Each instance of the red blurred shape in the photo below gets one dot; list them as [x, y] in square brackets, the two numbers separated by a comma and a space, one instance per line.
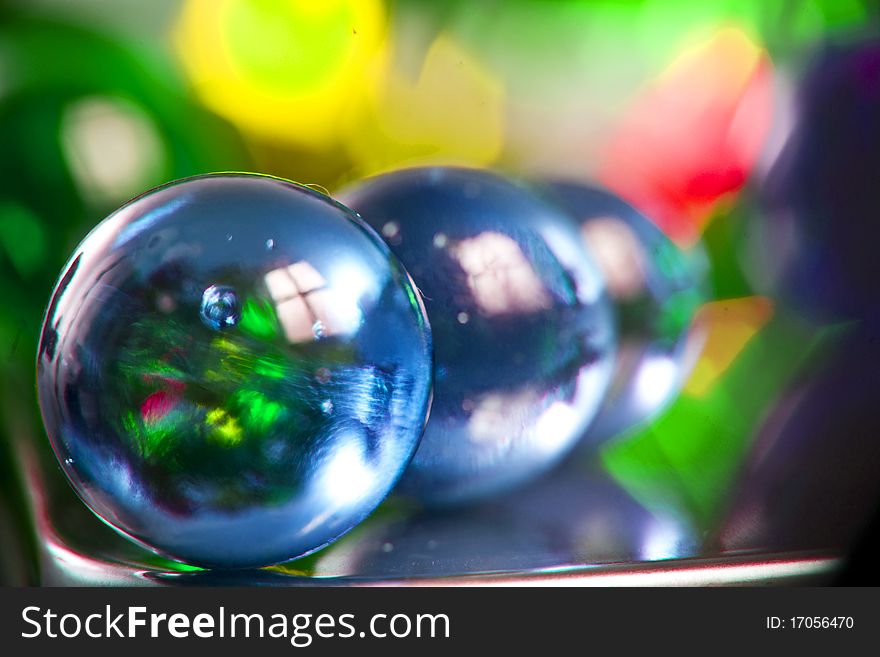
[159, 404]
[690, 139]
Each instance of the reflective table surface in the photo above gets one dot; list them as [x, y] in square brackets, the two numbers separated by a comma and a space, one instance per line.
[574, 527]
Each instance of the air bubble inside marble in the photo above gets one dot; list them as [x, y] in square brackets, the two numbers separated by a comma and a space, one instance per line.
[220, 308]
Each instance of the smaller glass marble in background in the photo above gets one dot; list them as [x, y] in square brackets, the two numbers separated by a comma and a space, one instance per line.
[233, 370]
[522, 326]
[656, 289]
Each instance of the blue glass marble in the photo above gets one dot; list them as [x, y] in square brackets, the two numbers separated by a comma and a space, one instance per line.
[656, 289]
[523, 330]
[234, 370]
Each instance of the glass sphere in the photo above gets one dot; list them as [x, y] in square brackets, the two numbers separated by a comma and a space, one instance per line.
[233, 370]
[656, 289]
[523, 331]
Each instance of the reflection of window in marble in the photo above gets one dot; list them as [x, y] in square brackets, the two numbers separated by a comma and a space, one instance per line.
[618, 253]
[499, 276]
[304, 302]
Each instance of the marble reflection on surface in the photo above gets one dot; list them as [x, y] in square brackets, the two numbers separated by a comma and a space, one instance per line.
[575, 516]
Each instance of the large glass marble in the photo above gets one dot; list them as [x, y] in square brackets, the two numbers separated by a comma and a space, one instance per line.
[234, 370]
[523, 331]
[656, 288]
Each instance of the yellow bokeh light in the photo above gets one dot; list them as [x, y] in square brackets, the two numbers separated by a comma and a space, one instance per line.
[717, 66]
[730, 325]
[451, 113]
[289, 70]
